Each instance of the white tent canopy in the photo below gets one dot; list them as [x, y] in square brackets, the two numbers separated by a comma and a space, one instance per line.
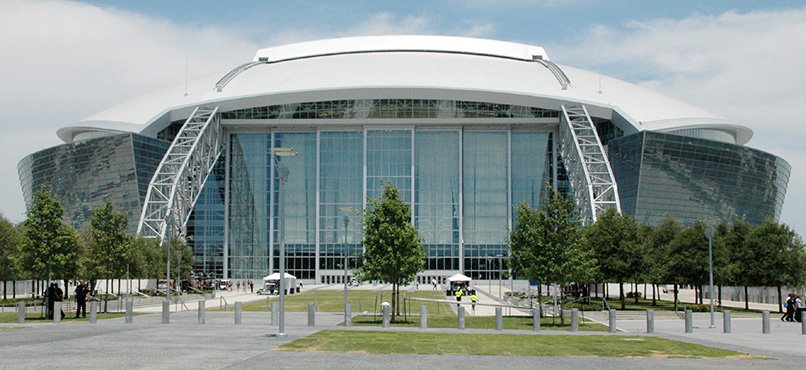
[276, 276]
[459, 277]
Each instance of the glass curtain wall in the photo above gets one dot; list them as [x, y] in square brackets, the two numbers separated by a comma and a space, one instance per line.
[389, 159]
[436, 205]
[250, 167]
[486, 203]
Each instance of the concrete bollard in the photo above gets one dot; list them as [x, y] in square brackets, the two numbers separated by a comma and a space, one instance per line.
[360, 304]
[689, 322]
[93, 312]
[21, 312]
[423, 317]
[765, 322]
[726, 322]
[238, 312]
[166, 311]
[574, 319]
[311, 315]
[348, 322]
[650, 321]
[385, 312]
[536, 319]
[612, 319]
[803, 322]
[460, 315]
[129, 311]
[499, 321]
[57, 312]
[275, 313]
[200, 318]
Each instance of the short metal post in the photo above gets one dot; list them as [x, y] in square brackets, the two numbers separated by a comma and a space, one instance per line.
[460, 314]
[536, 319]
[574, 319]
[129, 311]
[93, 312]
[499, 321]
[238, 312]
[311, 317]
[200, 319]
[57, 312]
[348, 322]
[726, 322]
[274, 313]
[612, 319]
[689, 322]
[765, 322]
[21, 312]
[650, 321]
[166, 311]
[385, 310]
[423, 317]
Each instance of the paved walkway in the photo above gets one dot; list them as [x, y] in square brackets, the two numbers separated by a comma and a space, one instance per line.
[220, 344]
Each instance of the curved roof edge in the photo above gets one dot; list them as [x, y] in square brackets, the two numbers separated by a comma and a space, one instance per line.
[743, 134]
[411, 43]
[68, 133]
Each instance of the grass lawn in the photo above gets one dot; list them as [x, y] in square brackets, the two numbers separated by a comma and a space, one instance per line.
[10, 327]
[646, 304]
[479, 322]
[11, 317]
[337, 341]
[333, 301]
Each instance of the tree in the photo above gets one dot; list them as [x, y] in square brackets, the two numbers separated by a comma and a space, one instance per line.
[740, 257]
[50, 247]
[658, 252]
[392, 249]
[10, 240]
[779, 254]
[617, 249]
[547, 245]
[110, 249]
[687, 261]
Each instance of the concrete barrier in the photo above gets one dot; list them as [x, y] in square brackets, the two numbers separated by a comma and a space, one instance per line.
[612, 319]
[275, 313]
[385, 312]
[726, 322]
[93, 312]
[460, 318]
[423, 317]
[21, 312]
[536, 318]
[689, 322]
[166, 311]
[57, 312]
[238, 312]
[201, 314]
[650, 321]
[574, 319]
[311, 315]
[348, 315]
[129, 311]
[499, 320]
[765, 322]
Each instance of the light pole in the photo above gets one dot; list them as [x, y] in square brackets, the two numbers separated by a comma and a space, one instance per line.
[346, 220]
[709, 233]
[489, 274]
[283, 170]
[500, 275]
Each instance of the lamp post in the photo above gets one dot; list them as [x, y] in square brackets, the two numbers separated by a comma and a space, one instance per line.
[346, 220]
[489, 274]
[500, 275]
[709, 233]
[283, 171]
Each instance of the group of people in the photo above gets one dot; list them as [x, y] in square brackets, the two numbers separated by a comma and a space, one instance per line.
[794, 307]
[246, 284]
[54, 294]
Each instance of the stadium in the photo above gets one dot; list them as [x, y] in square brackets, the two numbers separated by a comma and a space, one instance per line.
[465, 128]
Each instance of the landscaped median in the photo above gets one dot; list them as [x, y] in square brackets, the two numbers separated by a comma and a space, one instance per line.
[386, 342]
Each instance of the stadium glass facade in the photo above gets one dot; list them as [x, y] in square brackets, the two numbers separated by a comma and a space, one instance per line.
[665, 175]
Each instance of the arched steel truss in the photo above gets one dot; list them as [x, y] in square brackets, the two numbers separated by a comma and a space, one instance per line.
[589, 171]
[179, 179]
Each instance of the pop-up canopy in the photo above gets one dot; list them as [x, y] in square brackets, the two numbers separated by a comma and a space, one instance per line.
[459, 277]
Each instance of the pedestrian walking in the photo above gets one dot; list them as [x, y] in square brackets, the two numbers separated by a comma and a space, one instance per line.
[790, 308]
[473, 300]
[251, 287]
[799, 306]
[81, 299]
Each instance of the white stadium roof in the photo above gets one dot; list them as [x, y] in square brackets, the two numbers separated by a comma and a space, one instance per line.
[428, 67]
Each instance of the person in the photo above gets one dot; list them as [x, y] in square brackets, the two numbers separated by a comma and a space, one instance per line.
[58, 297]
[798, 308]
[458, 296]
[473, 300]
[237, 286]
[50, 297]
[81, 299]
[790, 308]
[251, 287]
[434, 281]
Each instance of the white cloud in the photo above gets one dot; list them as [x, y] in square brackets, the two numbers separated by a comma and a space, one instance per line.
[748, 68]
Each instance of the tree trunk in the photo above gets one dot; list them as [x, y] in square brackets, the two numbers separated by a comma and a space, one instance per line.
[746, 299]
[654, 286]
[636, 292]
[14, 289]
[621, 294]
[675, 297]
[780, 305]
[394, 301]
[562, 305]
[5, 289]
[66, 294]
[719, 294]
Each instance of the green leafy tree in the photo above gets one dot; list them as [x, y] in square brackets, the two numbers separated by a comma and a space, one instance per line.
[617, 248]
[547, 245]
[741, 261]
[50, 247]
[392, 249]
[779, 253]
[10, 240]
[688, 257]
[110, 248]
[658, 252]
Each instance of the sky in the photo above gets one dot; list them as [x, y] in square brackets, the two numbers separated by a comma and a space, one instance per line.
[62, 61]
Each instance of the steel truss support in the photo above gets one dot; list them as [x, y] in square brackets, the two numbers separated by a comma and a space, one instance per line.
[589, 172]
[179, 179]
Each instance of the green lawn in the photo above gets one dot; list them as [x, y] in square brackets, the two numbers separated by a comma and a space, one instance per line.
[479, 322]
[333, 301]
[31, 317]
[646, 304]
[346, 341]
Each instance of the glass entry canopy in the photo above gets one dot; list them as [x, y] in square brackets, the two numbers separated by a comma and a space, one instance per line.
[461, 184]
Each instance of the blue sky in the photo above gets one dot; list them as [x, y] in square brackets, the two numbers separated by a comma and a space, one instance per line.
[61, 61]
